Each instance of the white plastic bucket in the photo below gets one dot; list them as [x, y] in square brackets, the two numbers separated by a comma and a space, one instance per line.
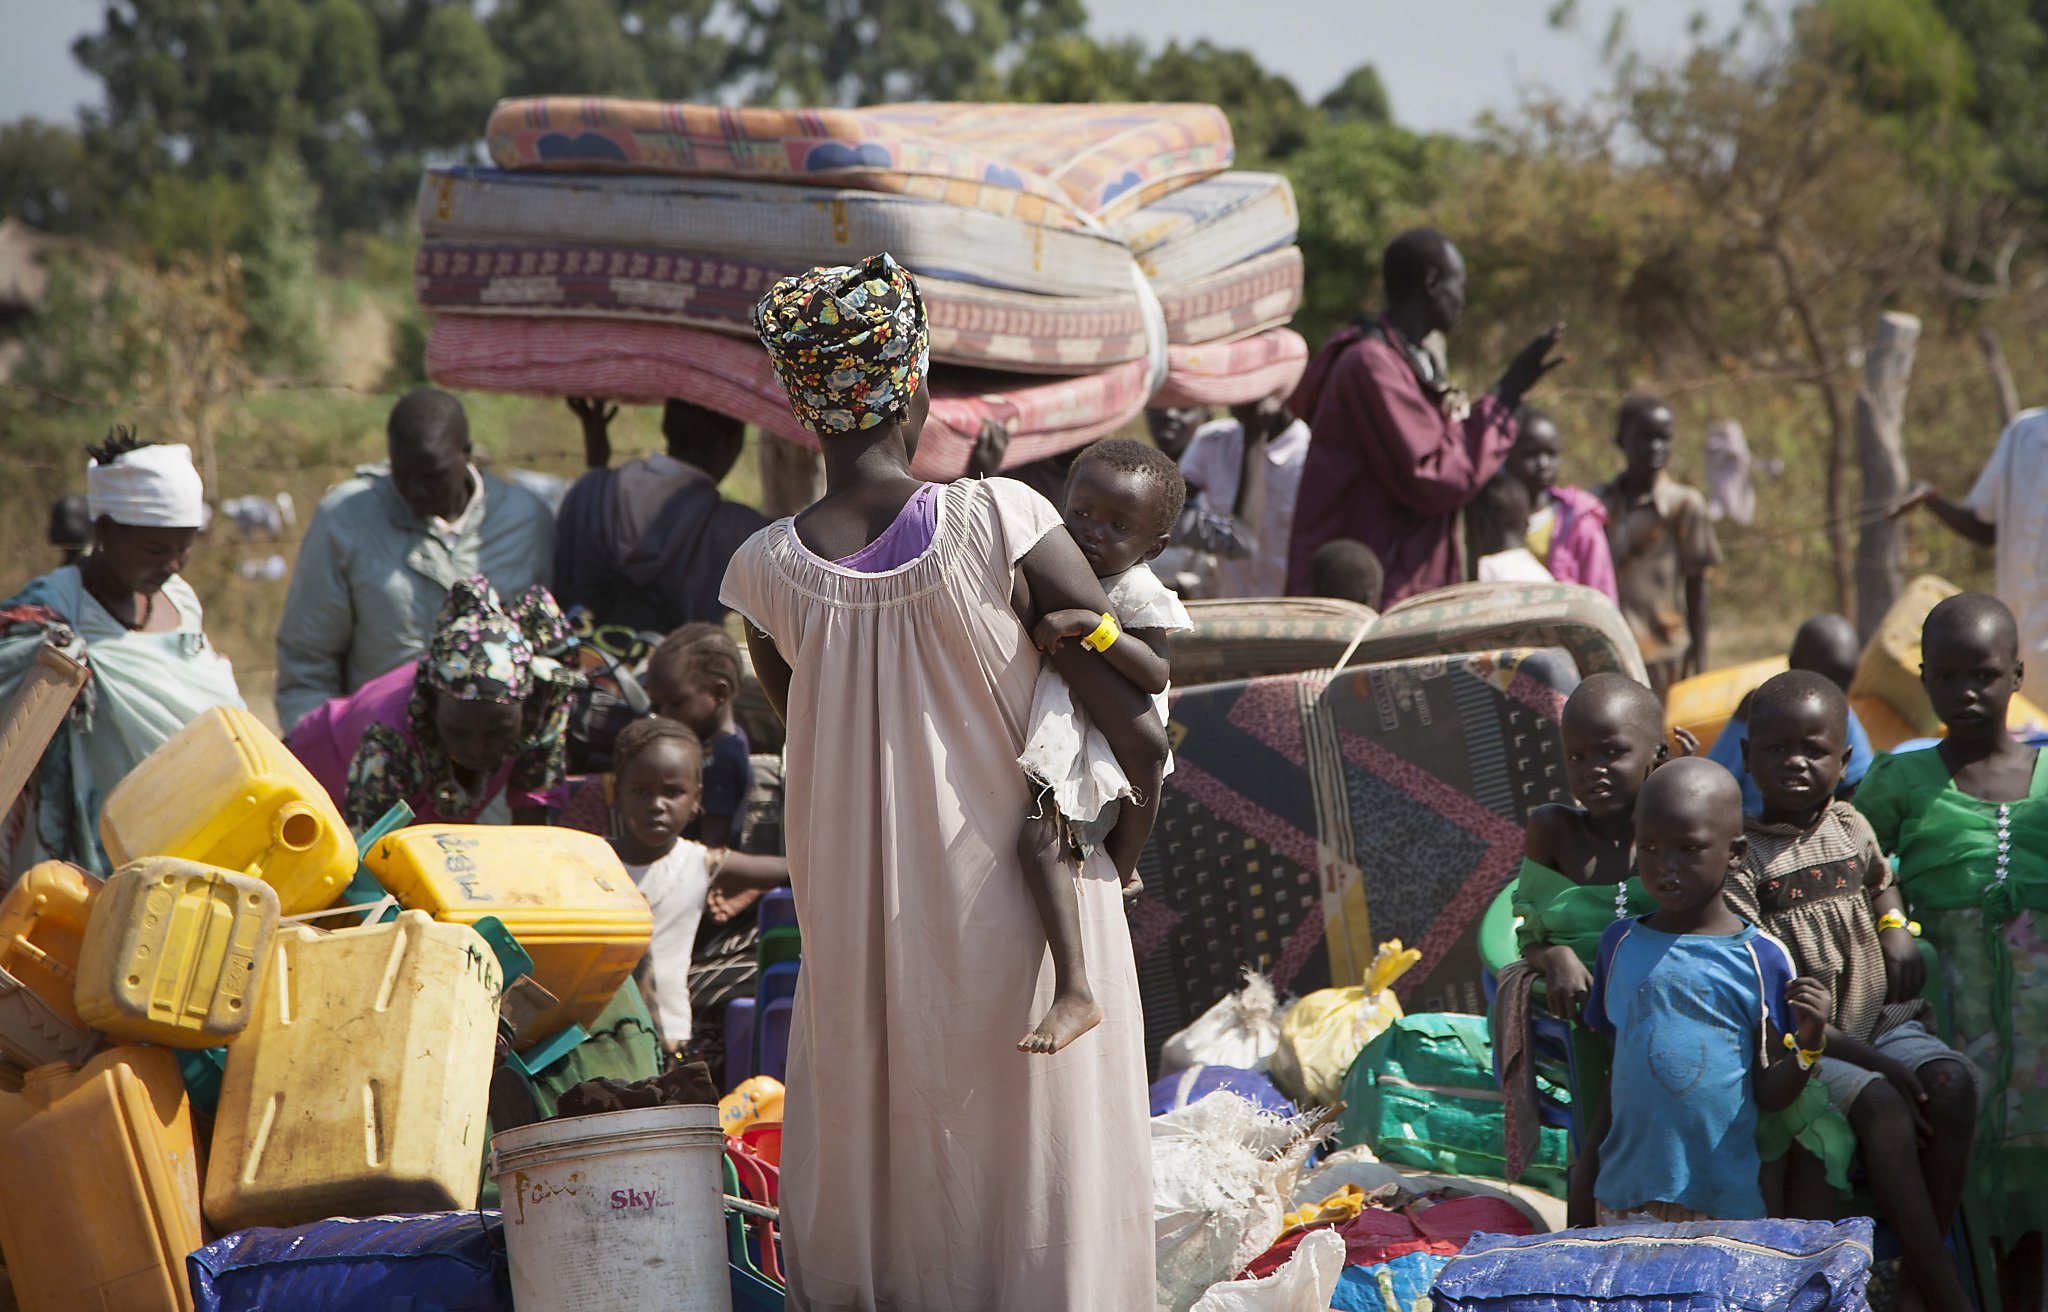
[622, 1212]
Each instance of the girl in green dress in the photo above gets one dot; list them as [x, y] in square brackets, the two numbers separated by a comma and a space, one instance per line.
[1968, 822]
[1578, 861]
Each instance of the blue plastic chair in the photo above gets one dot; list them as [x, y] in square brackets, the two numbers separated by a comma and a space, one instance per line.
[740, 1014]
[777, 981]
[778, 908]
[774, 1038]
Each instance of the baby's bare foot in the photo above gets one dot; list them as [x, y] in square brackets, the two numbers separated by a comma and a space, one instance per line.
[1071, 1016]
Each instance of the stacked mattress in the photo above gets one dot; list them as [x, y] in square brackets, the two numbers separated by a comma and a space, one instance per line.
[1077, 261]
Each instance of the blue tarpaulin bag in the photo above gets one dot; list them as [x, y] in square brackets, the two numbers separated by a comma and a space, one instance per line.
[1172, 1092]
[439, 1262]
[1764, 1266]
[1399, 1285]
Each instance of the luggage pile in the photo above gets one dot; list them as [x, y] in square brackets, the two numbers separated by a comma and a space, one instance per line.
[1078, 262]
[260, 1030]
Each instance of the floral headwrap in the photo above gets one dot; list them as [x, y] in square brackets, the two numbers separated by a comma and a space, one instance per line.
[485, 651]
[851, 345]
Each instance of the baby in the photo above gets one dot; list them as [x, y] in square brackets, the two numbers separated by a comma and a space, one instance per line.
[1122, 500]
[1577, 864]
[1701, 1006]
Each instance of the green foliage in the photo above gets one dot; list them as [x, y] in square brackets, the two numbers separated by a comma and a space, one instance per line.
[280, 288]
[44, 178]
[861, 51]
[1360, 96]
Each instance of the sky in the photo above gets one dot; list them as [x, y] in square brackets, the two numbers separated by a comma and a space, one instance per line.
[1443, 61]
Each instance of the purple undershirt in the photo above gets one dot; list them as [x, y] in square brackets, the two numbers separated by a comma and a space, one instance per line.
[906, 538]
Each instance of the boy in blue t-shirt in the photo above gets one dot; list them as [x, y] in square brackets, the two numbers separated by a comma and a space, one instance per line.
[1698, 1002]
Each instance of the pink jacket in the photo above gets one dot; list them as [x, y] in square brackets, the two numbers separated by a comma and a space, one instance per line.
[1578, 545]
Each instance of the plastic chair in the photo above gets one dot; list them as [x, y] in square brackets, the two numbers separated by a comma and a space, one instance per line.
[778, 945]
[739, 1041]
[777, 910]
[762, 1258]
[773, 1041]
[777, 981]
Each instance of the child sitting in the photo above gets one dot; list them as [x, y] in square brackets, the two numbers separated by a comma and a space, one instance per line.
[1699, 1005]
[1815, 879]
[1577, 861]
[1122, 500]
[1497, 533]
[657, 777]
[693, 678]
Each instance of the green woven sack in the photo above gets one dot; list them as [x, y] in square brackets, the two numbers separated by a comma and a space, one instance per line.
[1423, 1094]
[621, 1046]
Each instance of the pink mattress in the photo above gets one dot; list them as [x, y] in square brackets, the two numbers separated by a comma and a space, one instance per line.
[1261, 293]
[985, 327]
[645, 363]
[1061, 164]
[1234, 373]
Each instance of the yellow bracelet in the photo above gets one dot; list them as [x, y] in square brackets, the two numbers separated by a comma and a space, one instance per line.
[1105, 633]
[1897, 920]
[1806, 1057]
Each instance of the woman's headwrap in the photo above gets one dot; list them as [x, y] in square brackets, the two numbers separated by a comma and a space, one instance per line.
[484, 651]
[149, 487]
[850, 344]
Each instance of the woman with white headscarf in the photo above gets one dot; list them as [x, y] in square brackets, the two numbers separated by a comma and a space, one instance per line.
[151, 669]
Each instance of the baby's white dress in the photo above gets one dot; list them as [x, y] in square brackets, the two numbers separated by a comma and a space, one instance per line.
[1067, 759]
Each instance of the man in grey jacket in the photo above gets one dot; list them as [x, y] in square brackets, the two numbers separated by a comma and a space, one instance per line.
[385, 547]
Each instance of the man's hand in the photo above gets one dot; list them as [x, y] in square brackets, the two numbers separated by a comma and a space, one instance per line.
[1528, 368]
[1056, 628]
[596, 417]
[1904, 967]
[1809, 1002]
[990, 446]
[1687, 744]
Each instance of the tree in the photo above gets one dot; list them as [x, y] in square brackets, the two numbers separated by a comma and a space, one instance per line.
[1361, 96]
[44, 180]
[846, 52]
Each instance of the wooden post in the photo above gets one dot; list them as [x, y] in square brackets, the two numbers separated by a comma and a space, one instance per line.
[2001, 377]
[1880, 428]
[792, 475]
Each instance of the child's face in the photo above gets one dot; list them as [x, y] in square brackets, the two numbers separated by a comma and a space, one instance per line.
[1607, 756]
[1970, 673]
[1685, 846]
[1797, 754]
[478, 735]
[696, 701]
[656, 794]
[1114, 514]
[1647, 442]
[1534, 459]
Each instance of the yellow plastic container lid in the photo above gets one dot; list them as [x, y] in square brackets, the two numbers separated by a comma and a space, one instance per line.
[225, 791]
[42, 926]
[99, 1201]
[174, 953]
[1705, 703]
[361, 1085]
[563, 893]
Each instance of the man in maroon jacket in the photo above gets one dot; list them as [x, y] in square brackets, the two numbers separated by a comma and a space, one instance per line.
[1396, 451]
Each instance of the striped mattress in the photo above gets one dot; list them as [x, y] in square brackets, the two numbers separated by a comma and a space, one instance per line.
[987, 327]
[1059, 164]
[774, 223]
[644, 363]
[1234, 373]
[1249, 298]
[1213, 225]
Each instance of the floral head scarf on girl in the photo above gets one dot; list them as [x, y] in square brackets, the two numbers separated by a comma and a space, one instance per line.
[850, 344]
